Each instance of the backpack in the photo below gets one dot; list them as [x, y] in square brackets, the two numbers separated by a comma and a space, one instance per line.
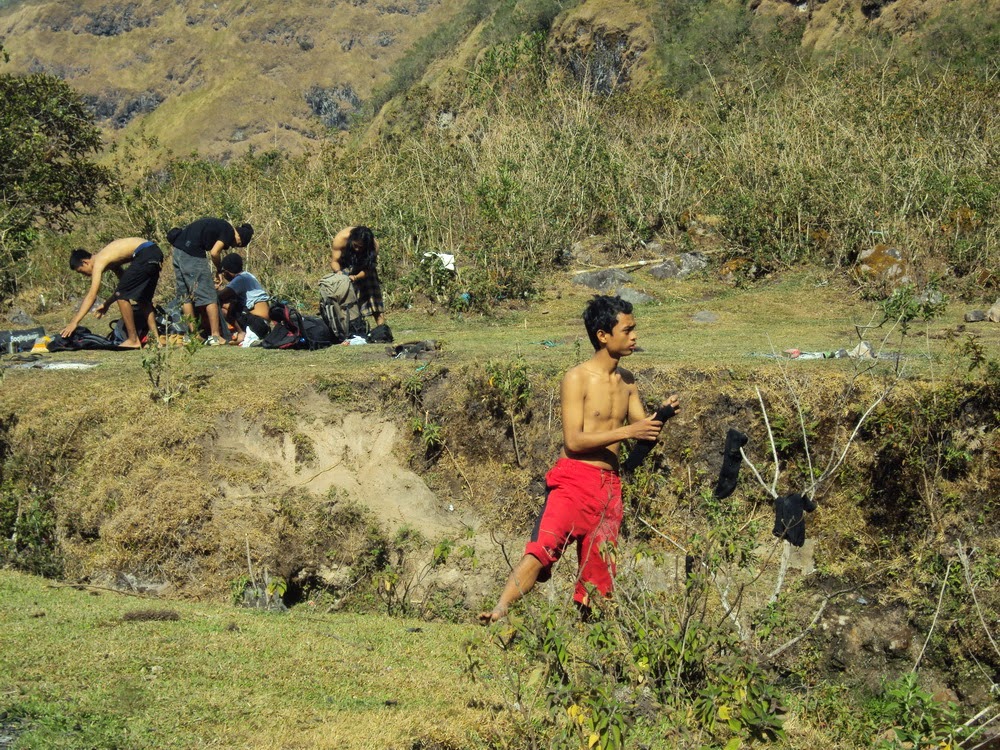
[380, 335]
[292, 330]
[340, 308]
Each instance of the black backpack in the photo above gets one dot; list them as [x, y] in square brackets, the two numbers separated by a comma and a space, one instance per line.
[317, 333]
[292, 330]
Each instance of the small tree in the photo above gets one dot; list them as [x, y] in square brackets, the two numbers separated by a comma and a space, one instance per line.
[47, 138]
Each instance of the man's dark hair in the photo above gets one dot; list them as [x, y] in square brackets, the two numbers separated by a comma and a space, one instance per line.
[360, 250]
[246, 234]
[601, 314]
[77, 257]
[232, 263]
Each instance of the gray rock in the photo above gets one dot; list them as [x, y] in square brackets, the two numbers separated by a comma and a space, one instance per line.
[668, 269]
[604, 280]
[333, 105]
[704, 316]
[677, 268]
[930, 297]
[605, 66]
[691, 262]
[588, 250]
[884, 263]
[975, 316]
[635, 297]
[21, 319]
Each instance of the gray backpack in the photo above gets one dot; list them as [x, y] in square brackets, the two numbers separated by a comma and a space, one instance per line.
[340, 308]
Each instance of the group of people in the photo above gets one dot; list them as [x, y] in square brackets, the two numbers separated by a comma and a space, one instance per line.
[213, 289]
[600, 402]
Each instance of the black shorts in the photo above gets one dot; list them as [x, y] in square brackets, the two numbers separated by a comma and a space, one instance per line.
[250, 322]
[138, 283]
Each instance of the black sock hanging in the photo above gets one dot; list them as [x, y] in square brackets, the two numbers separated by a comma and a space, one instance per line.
[731, 460]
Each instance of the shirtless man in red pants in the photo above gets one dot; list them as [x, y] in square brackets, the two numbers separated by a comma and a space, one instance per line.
[600, 409]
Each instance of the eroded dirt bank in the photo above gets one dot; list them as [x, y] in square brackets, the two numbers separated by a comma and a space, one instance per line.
[414, 493]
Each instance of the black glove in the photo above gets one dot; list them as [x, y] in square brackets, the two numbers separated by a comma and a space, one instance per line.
[789, 521]
[731, 460]
[642, 448]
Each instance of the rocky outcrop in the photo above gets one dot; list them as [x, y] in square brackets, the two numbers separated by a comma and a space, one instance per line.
[333, 105]
[112, 20]
[118, 108]
[604, 45]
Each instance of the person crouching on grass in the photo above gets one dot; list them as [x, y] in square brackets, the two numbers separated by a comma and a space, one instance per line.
[137, 263]
[583, 504]
[244, 301]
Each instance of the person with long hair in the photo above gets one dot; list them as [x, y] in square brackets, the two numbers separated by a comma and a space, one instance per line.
[355, 253]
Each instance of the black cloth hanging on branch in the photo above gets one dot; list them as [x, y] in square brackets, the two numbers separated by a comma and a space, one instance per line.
[789, 518]
[731, 461]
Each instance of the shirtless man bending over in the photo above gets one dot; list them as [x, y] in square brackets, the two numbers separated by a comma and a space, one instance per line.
[136, 283]
[583, 504]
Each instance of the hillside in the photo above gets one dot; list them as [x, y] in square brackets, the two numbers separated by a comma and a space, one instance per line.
[220, 77]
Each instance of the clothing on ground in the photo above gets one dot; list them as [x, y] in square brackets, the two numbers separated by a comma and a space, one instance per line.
[583, 504]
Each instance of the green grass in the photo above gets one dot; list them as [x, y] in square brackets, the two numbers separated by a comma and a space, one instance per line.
[81, 677]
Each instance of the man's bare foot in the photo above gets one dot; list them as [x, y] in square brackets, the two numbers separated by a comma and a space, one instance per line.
[130, 344]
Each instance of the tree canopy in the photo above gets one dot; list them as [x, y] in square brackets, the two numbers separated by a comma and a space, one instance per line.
[47, 173]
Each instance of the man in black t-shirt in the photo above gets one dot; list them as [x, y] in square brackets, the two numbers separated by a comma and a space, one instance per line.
[195, 281]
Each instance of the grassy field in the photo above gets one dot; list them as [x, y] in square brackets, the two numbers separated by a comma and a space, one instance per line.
[76, 672]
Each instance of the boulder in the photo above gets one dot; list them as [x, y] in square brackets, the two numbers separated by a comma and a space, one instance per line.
[20, 319]
[587, 250]
[634, 296]
[604, 280]
[975, 316]
[883, 263]
[680, 266]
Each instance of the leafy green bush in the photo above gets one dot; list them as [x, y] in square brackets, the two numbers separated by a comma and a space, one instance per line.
[48, 139]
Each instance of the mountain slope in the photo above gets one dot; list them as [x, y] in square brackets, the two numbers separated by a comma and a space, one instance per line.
[219, 76]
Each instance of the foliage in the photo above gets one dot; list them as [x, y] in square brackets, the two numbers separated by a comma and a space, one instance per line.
[637, 673]
[167, 367]
[915, 718]
[48, 138]
[755, 159]
[905, 305]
